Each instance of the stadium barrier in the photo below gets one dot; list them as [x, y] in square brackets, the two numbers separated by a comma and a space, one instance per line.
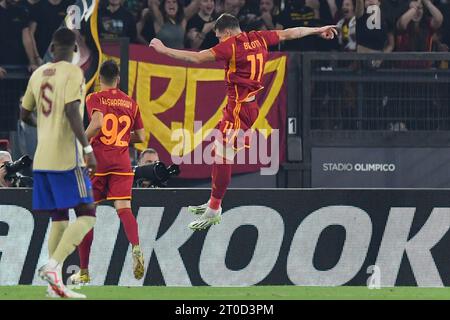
[316, 237]
[357, 102]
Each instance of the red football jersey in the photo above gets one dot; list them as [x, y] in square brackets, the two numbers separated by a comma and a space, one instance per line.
[245, 56]
[120, 116]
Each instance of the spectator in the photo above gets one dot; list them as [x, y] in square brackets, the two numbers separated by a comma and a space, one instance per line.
[415, 31]
[14, 22]
[4, 157]
[297, 14]
[329, 11]
[28, 4]
[248, 14]
[46, 16]
[219, 7]
[268, 13]
[170, 19]
[325, 10]
[393, 9]
[373, 31]
[229, 6]
[135, 7]
[267, 18]
[442, 39]
[115, 21]
[145, 25]
[200, 33]
[347, 25]
[148, 156]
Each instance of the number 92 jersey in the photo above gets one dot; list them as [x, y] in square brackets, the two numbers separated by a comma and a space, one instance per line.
[121, 116]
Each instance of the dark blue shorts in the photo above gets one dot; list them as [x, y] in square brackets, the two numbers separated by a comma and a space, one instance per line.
[61, 190]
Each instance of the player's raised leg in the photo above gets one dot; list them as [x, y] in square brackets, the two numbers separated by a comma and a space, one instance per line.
[211, 212]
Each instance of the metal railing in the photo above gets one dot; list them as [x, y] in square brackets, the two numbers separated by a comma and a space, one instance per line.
[372, 100]
[395, 91]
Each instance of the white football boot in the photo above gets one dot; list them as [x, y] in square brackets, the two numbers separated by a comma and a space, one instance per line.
[197, 210]
[207, 219]
[53, 277]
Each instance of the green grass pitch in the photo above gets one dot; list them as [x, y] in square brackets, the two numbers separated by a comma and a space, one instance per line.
[233, 293]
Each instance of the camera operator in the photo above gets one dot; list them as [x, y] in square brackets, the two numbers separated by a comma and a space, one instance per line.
[4, 157]
[9, 171]
[148, 156]
[152, 173]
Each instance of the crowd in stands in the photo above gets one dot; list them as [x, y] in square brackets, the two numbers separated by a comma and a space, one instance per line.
[26, 26]
[366, 26]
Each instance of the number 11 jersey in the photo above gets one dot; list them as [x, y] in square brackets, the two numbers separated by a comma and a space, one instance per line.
[245, 56]
[121, 116]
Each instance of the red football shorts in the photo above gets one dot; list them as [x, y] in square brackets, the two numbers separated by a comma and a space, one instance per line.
[112, 187]
[237, 121]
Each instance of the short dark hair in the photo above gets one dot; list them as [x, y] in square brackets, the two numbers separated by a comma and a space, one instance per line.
[226, 21]
[147, 151]
[64, 37]
[109, 71]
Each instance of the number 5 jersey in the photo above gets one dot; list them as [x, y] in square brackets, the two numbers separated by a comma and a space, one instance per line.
[49, 89]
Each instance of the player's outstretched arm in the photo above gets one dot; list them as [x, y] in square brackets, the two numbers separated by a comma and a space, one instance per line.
[183, 55]
[72, 112]
[95, 125]
[326, 32]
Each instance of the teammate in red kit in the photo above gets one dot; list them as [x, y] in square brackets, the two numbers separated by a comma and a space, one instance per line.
[115, 122]
[245, 55]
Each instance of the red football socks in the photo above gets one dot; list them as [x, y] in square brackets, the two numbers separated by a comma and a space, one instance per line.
[214, 203]
[129, 224]
[84, 249]
[221, 177]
